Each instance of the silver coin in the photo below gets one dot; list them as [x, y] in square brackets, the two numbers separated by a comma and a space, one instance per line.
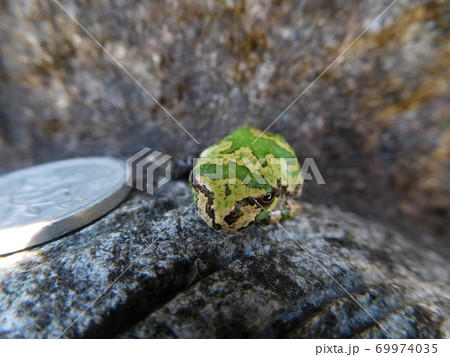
[43, 202]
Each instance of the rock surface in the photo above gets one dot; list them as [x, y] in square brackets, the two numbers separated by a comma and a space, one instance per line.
[377, 122]
[189, 281]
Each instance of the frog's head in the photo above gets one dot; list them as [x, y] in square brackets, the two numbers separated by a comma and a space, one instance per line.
[239, 180]
[229, 206]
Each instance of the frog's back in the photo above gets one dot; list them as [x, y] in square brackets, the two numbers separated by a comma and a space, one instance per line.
[262, 145]
[255, 145]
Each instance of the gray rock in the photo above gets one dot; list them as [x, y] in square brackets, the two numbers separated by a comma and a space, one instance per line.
[186, 280]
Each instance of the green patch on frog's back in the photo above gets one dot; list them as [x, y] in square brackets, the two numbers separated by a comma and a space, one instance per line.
[242, 172]
[267, 144]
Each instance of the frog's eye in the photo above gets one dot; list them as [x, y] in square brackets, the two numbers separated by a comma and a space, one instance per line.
[268, 197]
[233, 216]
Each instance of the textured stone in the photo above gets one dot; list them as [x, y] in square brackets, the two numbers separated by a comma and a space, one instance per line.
[377, 123]
[187, 280]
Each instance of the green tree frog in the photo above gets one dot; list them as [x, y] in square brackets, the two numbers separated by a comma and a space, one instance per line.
[239, 181]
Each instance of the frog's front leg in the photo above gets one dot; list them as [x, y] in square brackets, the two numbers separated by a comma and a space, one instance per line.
[285, 209]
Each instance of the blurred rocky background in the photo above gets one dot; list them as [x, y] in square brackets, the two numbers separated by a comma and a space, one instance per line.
[376, 123]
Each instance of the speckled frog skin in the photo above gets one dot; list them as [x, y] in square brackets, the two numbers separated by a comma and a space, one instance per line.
[237, 182]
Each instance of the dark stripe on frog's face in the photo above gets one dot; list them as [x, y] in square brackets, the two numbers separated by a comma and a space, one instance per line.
[208, 209]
